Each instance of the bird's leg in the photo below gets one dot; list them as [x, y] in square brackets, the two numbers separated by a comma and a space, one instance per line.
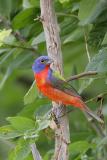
[67, 112]
[56, 115]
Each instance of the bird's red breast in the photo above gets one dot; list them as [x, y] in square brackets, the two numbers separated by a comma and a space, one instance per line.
[55, 94]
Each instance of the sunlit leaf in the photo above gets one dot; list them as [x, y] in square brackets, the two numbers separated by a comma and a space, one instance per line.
[3, 34]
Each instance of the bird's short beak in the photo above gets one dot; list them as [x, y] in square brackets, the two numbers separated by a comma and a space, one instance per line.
[49, 61]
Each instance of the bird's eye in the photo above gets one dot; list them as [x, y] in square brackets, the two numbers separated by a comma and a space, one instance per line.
[42, 60]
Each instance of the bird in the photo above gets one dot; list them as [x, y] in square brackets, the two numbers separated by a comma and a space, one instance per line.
[52, 85]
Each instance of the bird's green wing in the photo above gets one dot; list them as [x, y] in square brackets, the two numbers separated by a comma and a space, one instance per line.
[58, 82]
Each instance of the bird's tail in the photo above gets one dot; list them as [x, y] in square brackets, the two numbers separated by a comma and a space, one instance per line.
[91, 115]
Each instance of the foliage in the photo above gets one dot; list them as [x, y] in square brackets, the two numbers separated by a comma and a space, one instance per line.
[83, 31]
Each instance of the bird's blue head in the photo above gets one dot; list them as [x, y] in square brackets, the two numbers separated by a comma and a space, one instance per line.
[40, 63]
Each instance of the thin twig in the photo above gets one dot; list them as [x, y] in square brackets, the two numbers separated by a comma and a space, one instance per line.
[35, 152]
[84, 74]
[96, 97]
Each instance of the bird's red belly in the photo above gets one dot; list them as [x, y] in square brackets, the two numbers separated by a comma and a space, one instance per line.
[61, 97]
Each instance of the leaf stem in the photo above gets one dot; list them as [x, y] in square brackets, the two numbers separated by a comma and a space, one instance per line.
[67, 15]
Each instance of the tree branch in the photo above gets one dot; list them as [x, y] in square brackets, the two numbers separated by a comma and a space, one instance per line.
[53, 43]
[84, 74]
[35, 152]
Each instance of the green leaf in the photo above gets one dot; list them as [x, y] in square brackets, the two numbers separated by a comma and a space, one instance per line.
[74, 36]
[8, 132]
[68, 25]
[21, 124]
[39, 39]
[89, 11]
[31, 95]
[43, 124]
[12, 66]
[24, 18]
[99, 64]
[43, 118]
[80, 147]
[21, 151]
[29, 110]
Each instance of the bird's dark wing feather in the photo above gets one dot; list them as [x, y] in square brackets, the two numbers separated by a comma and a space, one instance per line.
[58, 82]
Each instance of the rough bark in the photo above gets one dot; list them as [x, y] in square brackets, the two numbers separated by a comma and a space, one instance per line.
[51, 30]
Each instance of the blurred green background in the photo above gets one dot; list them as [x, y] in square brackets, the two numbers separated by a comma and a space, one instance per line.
[83, 23]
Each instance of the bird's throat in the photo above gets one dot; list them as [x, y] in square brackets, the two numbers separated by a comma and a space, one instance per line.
[41, 77]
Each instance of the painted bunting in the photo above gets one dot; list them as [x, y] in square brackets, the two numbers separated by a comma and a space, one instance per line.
[54, 86]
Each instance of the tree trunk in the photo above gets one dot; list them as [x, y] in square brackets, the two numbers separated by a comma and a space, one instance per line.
[53, 44]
